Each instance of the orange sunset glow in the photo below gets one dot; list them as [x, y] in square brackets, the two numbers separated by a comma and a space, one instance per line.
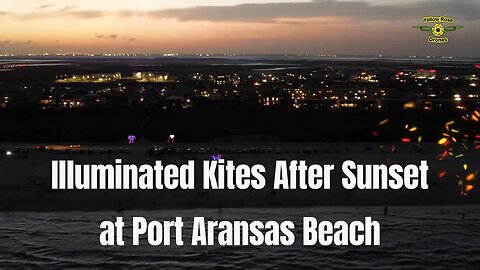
[237, 26]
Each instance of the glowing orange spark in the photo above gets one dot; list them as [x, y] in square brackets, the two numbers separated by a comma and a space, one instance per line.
[443, 141]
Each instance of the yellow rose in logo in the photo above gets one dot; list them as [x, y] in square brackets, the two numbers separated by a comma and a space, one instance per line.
[438, 30]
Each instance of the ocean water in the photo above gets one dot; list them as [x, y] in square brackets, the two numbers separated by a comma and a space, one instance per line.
[433, 237]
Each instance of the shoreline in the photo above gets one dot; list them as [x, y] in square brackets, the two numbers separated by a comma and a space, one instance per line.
[25, 182]
[233, 209]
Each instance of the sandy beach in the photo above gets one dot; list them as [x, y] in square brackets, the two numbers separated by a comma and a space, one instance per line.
[25, 183]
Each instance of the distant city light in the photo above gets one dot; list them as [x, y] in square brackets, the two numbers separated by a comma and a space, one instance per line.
[409, 105]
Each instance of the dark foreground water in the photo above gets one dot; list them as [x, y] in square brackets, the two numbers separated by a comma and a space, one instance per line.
[440, 237]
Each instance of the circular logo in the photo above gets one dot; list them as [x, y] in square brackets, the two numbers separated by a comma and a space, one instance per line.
[438, 30]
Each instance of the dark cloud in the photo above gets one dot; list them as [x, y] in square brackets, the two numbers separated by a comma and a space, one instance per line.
[67, 8]
[110, 36]
[289, 22]
[129, 38]
[269, 12]
[15, 43]
[63, 12]
[114, 36]
[467, 10]
[4, 43]
[46, 6]
[83, 14]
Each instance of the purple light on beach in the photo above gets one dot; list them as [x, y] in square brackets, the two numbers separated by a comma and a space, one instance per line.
[217, 157]
[132, 139]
